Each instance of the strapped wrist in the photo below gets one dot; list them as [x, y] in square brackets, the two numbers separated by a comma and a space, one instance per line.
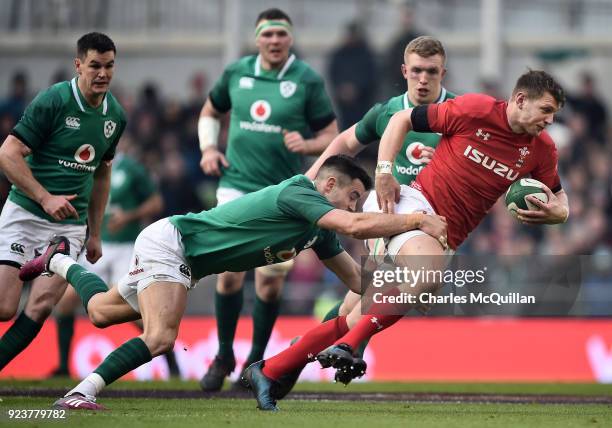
[384, 167]
[208, 132]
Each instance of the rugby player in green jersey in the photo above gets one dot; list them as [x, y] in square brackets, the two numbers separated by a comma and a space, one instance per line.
[262, 228]
[58, 158]
[279, 111]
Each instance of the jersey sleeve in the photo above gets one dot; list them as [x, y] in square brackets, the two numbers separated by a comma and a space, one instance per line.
[110, 153]
[328, 246]
[300, 202]
[220, 94]
[546, 169]
[36, 124]
[452, 116]
[366, 128]
[319, 111]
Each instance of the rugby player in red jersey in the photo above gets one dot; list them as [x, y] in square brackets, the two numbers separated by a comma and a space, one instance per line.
[486, 145]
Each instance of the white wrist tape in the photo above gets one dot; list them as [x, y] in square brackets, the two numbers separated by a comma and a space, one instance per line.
[208, 132]
[384, 167]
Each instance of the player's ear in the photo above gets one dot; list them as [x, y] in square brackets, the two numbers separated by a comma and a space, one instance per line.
[404, 69]
[330, 183]
[77, 65]
[520, 99]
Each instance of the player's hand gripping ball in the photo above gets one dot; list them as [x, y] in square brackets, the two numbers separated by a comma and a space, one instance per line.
[515, 196]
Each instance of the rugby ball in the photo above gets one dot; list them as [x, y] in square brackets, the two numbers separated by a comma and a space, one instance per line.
[515, 196]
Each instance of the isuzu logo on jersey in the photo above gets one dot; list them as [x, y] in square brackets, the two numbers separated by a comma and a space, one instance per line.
[490, 163]
[287, 88]
[85, 154]
[109, 128]
[261, 110]
[73, 122]
[414, 153]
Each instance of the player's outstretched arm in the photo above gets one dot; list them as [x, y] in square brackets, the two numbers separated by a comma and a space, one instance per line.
[387, 187]
[555, 211]
[346, 269]
[209, 126]
[375, 225]
[345, 143]
[12, 163]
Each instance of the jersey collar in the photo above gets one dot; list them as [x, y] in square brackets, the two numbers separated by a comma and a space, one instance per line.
[283, 70]
[80, 99]
[407, 104]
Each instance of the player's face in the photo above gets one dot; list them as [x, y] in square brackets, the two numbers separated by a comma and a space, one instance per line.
[273, 44]
[535, 114]
[95, 72]
[424, 77]
[344, 197]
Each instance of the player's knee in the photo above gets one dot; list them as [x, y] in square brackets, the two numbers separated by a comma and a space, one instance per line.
[40, 308]
[160, 341]
[269, 293]
[230, 282]
[97, 317]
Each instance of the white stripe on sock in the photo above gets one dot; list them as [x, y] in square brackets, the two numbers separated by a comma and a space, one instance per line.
[60, 263]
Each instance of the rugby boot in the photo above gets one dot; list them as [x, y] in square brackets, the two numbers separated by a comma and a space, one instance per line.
[261, 386]
[212, 381]
[40, 265]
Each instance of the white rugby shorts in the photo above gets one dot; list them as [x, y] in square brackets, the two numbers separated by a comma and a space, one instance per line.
[158, 256]
[24, 235]
[411, 201]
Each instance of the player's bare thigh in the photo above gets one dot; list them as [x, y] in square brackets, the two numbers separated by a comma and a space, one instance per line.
[162, 305]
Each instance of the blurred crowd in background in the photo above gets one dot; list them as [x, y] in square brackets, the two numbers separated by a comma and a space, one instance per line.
[162, 133]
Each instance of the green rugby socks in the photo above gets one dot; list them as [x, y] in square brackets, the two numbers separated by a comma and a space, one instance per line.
[17, 338]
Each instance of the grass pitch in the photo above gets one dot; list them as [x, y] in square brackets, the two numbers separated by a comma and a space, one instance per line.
[321, 405]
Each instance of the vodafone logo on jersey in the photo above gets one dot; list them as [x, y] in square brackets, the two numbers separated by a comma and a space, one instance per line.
[261, 110]
[85, 154]
[414, 153]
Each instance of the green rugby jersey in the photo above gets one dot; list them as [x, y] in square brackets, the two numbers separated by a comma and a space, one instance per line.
[263, 104]
[68, 139]
[131, 185]
[408, 162]
[261, 228]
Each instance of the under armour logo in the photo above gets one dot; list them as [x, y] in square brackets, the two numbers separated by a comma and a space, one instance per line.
[310, 356]
[484, 135]
[17, 248]
[374, 321]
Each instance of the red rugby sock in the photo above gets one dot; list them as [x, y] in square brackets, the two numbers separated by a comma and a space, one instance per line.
[302, 351]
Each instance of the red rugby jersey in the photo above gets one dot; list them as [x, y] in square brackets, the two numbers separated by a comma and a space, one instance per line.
[477, 158]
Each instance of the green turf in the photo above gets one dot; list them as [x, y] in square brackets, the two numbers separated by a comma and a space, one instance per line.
[485, 388]
[153, 413]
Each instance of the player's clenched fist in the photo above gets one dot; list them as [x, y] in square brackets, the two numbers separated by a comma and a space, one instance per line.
[211, 161]
[294, 141]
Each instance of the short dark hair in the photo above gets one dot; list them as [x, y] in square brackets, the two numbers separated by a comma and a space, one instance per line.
[273, 13]
[94, 41]
[535, 83]
[348, 167]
